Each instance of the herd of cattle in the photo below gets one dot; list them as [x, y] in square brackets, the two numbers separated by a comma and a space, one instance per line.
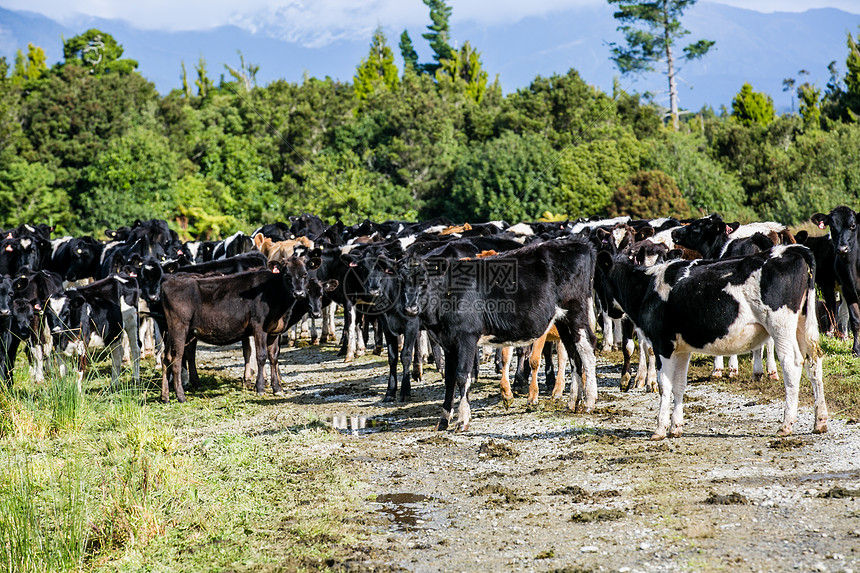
[438, 291]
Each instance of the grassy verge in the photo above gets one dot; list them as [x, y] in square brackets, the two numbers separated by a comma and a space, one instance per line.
[109, 481]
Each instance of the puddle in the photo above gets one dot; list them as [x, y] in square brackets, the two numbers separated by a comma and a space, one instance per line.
[827, 476]
[403, 510]
[357, 425]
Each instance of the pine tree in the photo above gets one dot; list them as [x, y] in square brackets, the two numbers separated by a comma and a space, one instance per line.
[651, 29]
[377, 69]
[752, 108]
[407, 50]
[438, 35]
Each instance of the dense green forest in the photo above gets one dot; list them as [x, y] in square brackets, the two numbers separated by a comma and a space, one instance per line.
[89, 143]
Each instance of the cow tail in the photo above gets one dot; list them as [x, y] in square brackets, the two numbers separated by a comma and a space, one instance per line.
[811, 319]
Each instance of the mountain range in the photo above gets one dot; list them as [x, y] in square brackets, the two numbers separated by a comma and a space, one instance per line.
[760, 48]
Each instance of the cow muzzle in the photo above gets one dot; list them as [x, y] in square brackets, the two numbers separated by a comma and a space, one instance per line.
[411, 310]
[5, 312]
[300, 294]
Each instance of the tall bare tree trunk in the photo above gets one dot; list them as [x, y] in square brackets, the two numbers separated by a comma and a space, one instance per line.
[670, 70]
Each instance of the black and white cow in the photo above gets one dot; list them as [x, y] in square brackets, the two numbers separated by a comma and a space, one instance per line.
[512, 298]
[96, 316]
[723, 307]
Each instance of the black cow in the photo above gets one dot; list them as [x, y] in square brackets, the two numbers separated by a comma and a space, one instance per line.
[506, 299]
[76, 258]
[222, 310]
[233, 245]
[723, 307]
[846, 264]
[96, 316]
[825, 277]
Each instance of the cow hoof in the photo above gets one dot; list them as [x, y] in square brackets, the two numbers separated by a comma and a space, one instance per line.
[758, 376]
[388, 398]
[461, 427]
[405, 397]
[733, 373]
[655, 437]
[278, 393]
[442, 425]
[556, 397]
[784, 431]
[625, 382]
[675, 433]
[820, 428]
[377, 351]
[348, 359]
[717, 374]
[773, 375]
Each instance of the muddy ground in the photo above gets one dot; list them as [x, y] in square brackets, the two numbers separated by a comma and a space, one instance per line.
[542, 489]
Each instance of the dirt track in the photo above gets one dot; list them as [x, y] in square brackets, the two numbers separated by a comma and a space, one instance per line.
[546, 490]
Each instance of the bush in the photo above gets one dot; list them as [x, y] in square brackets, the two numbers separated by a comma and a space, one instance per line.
[649, 195]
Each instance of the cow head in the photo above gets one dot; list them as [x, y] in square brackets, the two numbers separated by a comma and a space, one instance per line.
[294, 274]
[6, 292]
[66, 315]
[843, 229]
[705, 234]
[414, 275]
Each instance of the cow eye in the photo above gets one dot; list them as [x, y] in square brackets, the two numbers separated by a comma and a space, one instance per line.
[853, 227]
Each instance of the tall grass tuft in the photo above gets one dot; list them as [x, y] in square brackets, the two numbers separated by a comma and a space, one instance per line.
[42, 528]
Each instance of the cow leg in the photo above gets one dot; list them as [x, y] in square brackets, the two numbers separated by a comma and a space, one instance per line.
[349, 329]
[758, 363]
[772, 372]
[584, 373]
[190, 378]
[627, 349]
[438, 357]
[792, 366]
[717, 372]
[314, 333]
[391, 392]
[733, 366]
[505, 384]
[466, 369]
[37, 359]
[548, 368]
[534, 365]
[130, 328]
[360, 329]
[558, 388]
[450, 386]
[608, 332]
[679, 386]
[666, 377]
[854, 320]
[653, 381]
[408, 353]
[328, 322]
[619, 333]
[260, 349]
[248, 354]
[178, 353]
[273, 352]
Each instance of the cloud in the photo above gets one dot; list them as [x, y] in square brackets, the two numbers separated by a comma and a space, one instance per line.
[320, 22]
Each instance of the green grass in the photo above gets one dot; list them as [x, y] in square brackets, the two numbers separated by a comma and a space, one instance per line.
[114, 481]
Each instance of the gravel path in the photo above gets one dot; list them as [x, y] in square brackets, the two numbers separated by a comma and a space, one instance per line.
[546, 490]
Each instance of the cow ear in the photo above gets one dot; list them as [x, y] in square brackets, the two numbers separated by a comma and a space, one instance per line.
[801, 237]
[170, 267]
[20, 283]
[820, 219]
[640, 256]
[626, 240]
[733, 226]
[644, 233]
[330, 285]
[604, 261]
[110, 233]
[674, 254]
[313, 263]
[275, 266]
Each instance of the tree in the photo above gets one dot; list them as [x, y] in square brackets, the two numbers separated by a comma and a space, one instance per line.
[98, 51]
[651, 29]
[465, 70]
[407, 50]
[810, 105]
[752, 108]
[377, 70]
[788, 86]
[246, 75]
[203, 83]
[30, 67]
[438, 36]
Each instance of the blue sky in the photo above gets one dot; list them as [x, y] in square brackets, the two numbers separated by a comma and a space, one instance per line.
[318, 22]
